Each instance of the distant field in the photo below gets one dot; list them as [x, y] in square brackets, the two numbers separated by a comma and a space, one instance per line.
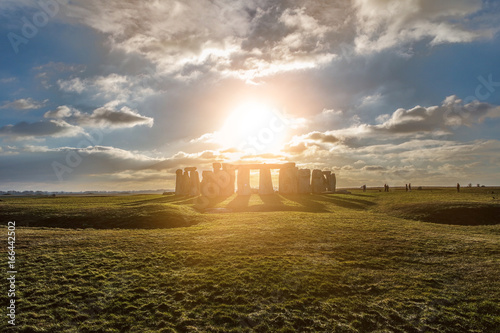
[425, 261]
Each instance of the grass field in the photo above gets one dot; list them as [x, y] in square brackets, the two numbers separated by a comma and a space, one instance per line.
[425, 261]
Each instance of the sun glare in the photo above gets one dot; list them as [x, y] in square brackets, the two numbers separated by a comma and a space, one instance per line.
[254, 128]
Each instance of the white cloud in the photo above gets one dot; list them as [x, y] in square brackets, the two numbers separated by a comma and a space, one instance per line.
[8, 80]
[388, 23]
[24, 104]
[112, 87]
[62, 111]
[73, 85]
[450, 114]
[69, 122]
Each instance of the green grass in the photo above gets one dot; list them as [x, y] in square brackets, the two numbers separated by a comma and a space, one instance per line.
[319, 263]
[100, 212]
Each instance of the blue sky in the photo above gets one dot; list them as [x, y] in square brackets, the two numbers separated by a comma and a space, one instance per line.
[117, 95]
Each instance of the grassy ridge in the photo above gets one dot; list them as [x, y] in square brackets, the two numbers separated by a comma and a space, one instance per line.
[332, 263]
[100, 212]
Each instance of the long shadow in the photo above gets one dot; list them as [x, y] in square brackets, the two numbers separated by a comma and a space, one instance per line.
[271, 203]
[350, 203]
[360, 195]
[271, 199]
[307, 202]
[239, 203]
[164, 199]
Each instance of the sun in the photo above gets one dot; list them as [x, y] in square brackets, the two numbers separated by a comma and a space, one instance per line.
[254, 128]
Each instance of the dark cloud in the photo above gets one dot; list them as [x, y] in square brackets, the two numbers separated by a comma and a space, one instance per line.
[451, 113]
[101, 117]
[112, 118]
[52, 128]
[322, 137]
[44, 164]
[295, 148]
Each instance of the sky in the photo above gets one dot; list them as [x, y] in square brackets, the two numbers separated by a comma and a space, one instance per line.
[118, 94]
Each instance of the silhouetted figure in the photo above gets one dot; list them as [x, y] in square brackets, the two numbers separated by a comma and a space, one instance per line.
[364, 188]
[458, 187]
[406, 187]
[409, 187]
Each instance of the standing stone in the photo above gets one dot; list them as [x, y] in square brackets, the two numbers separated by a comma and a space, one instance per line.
[186, 183]
[216, 166]
[179, 179]
[265, 182]
[317, 181]
[288, 180]
[208, 186]
[228, 171]
[244, 181]
[326, 179]
[195, 183]
[304, 181]
[333, 183]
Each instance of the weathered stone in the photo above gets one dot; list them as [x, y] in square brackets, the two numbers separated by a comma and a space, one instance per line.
[288, 179]
[265, 182]
[244, 181]
[208, 186]
[186, 183]
[194, 178]
[190, 169]
[179, 182]
[207, 176]
[317, 182]
[333, 183]
[229, 189]
[304, 181]
[326, 180]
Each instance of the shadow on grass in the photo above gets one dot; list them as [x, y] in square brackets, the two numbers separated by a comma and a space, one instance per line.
[344, 202]
[307, 203]
[451, 213]
[316, 203]
[164, 199]
[239, 203]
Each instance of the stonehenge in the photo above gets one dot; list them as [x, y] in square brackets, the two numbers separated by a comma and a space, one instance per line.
[289, 179]
[187, 182]
[223, 179]
[244, 181]
[318, 182]
[265, 181]
[304, 181]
